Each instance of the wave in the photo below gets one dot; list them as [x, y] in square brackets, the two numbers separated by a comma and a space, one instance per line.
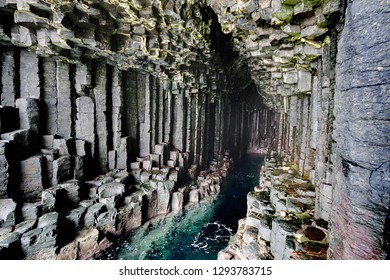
[211, 233]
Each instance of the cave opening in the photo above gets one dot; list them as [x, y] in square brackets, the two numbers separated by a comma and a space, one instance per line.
[220, 42]
[257, 121]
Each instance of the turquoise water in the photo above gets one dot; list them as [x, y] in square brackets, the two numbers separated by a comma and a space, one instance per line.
[199, 232]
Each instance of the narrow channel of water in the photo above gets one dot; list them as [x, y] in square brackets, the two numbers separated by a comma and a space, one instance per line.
[198, 233]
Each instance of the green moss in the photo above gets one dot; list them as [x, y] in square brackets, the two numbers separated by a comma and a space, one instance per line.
[304, 217]
[293, 60]
[291, 2]
[311, 58]
[314, 44]
[137, 6]
[312, 3]
[277, 172]
[303, 67]
[261, 196]
[309, 186]
[285, 13]
[147, 187]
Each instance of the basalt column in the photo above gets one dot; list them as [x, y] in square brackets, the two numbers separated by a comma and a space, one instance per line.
[360, 212]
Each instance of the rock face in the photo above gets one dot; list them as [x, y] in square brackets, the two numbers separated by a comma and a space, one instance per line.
[75, 220]
[280, 222]
[361, 132]
[109, 109]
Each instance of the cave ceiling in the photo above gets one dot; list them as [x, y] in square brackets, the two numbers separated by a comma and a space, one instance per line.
[274, 44]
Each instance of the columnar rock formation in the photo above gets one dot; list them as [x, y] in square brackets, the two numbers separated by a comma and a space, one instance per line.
[280, 222]
[100, 98]
[84, 94]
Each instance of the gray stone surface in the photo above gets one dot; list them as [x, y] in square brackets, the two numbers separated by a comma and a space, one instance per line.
[194, 196]
[265, 229]
[39, 239]
[100, 96]
[323, 204]
[64, 105]
[7, 212]
[50, 111]
[29, 71]
[3, 170]
[164, 193]
[144, 105]
[361, 96]
[75, 216]
[80, 146]
[110, 193]
[107, 220]
[42, 238]
[61, 146]
[304, 81]
[49, 198]
[30, 182]
[122, 154]
[21, 142]
[47, 219]
[150, 201]
[85, 123]
[112, 156]
[25, 226]
[177, 201]
[62, 170]
[178, 122]
[281, 231]
[79, 169]
[7, 240]
[31, 210]
[116, 106]
[92, 213]
[7, 97]
[130, 215]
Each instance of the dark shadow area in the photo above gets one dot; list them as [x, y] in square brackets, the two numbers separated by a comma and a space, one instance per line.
[238, 75]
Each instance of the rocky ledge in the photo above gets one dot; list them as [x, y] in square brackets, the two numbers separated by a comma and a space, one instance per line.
[77, 220]
[280, 222]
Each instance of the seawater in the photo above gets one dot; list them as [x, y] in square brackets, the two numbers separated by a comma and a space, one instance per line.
[199, 232]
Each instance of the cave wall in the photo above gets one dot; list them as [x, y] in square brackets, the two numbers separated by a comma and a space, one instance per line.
[88, 87]
[361, 133]
[68, 129]
[99, 118]
[108, 119]
[322, 66]
[290, 48]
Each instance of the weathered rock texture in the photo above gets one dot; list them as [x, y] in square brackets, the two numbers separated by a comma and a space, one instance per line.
[160, 88]
[360, 212]
[280, 222]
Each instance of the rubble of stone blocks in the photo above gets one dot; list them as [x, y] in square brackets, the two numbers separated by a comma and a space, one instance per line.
[77, 219]
[280, 221]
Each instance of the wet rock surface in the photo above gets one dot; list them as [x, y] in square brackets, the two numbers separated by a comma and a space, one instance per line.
[273, 229]
[76, 220]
